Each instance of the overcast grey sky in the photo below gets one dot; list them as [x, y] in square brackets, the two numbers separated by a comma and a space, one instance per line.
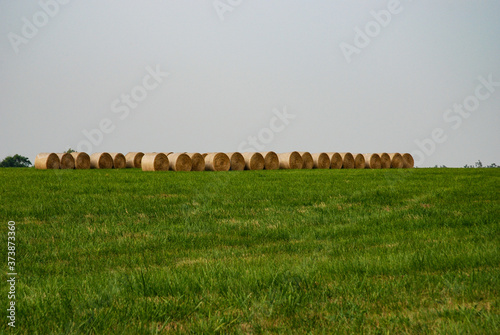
[359, 76]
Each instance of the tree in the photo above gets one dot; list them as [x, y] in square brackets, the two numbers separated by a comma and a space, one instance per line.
[69, 151]
[15, 161]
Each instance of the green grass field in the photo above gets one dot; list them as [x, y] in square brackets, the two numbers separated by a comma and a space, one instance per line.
[320, 251]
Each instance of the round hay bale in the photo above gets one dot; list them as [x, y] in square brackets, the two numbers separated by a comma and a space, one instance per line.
[271, 160]
[217, 161]
[154, 161]
[347, 160]
[237, 161]
[47, 160]
[396, 160]
[385, 160]
[291, 160]
[372, 161]
[66, 161]
[307, 160]
[321, 160]
[335, 159]
[82, 160]
[197, 161]
[101, 160]
[133, 159]
[408, 161]
[204, 155]
[179, 162]
[254, 161]
[359, 161]
[119, 160]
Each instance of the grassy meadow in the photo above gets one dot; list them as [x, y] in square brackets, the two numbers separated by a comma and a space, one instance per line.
[289, 251]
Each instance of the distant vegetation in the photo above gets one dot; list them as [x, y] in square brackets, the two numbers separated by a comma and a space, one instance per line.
[15, 161]
[478, 164]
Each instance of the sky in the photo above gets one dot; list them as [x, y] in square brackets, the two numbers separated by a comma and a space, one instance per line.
[237, 75]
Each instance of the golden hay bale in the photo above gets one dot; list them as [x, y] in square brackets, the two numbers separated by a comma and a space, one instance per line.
[197, 161]
[291, 160]
[271, 160]
[66, 161]
[347, 160]
[217, 161]
[204, 155]
[335, 159]
[101, 160]
[119, 160]
[321, 160]
[385, 160]
[154, 161]
[372, 161]
[408, 161]
[47, 160]
[254, 161]
[134, 159]
[179, 162]
[237, 161]
[307, 160]
[359, 161]
[396, 160]
[82, 160]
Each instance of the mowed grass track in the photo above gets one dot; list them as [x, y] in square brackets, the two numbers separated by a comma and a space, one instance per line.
[325, 251]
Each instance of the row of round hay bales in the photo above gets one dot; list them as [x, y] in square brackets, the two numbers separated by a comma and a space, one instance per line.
[218, 161]
[74, 160]
[344, 160]
[80, 160]
[107, 160]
